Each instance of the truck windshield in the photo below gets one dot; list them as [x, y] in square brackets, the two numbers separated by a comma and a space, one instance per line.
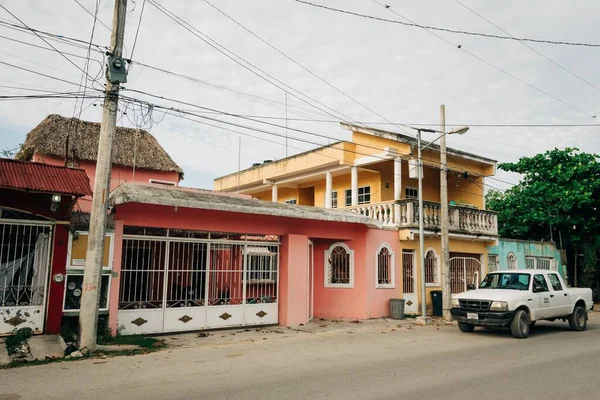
[507, 280]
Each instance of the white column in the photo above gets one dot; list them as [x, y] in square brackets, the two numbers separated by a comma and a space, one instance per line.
[328, 189]
[274, 193]
[397, 178]
[354, 185]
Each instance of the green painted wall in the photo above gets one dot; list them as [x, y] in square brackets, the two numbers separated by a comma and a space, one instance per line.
[523, 248]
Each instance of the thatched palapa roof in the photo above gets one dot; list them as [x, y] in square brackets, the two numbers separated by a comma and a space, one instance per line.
[50, 138]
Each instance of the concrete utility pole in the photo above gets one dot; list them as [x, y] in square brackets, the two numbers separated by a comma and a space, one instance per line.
[423, 317]
[445, 267]
[88, 316]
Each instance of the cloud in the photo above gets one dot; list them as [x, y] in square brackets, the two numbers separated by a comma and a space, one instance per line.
[401, 73]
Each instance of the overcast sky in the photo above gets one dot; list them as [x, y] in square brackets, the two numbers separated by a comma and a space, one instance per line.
[400, 73]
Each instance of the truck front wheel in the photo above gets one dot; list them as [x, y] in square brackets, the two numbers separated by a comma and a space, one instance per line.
[519, 327]
[578, 320]
[464, 327]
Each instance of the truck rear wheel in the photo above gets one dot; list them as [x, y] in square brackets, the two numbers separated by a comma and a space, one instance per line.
[578, 320]
[519, 327]
[464, 327]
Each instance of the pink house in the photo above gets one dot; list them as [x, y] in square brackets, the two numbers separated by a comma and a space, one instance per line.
[208, 260]
[183, 259]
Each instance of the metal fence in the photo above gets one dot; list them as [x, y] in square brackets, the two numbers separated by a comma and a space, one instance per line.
[170, 273]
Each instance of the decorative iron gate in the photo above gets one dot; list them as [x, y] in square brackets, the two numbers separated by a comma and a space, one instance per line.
[179, 284]
[463, 271]
[24, 263]
[409, 282]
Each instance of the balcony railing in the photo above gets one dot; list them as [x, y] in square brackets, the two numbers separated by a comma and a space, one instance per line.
[405, 214]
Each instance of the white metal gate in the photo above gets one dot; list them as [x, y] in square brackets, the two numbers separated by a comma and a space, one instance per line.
[25, 248]
[411, 305]
[178, 284]
[463, 271]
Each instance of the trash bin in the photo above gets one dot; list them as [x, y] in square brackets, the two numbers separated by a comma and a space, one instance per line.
[436, 299]
[397, 308]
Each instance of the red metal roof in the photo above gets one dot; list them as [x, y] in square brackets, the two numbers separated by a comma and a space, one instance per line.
[39, 177]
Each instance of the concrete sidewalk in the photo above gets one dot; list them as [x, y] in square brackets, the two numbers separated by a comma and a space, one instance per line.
[318, 327]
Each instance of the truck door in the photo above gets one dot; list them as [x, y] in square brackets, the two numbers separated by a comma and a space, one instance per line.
[561, 302]
[541, 297]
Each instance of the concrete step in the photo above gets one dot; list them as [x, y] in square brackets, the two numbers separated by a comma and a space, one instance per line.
[4, 357]
[43, 346]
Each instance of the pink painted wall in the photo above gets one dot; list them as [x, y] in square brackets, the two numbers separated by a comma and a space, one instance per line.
[378, 298]
[293, 280]
[341, 302]
[362, 301]
[119, 175]
[115, 280]
[223, 221]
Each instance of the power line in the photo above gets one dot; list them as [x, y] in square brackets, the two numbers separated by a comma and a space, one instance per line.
[302, 66]
[189, 113]
[433, 28]
[39, 73]
[87, 63]
[254, 96]
[489, 63]
[530, 48]
[137, 32]
[48, 43]
[44, 48]
[93, 15]
[74, 42]
[234, 57]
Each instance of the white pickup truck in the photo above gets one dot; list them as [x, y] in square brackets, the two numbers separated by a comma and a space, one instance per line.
[519, 298]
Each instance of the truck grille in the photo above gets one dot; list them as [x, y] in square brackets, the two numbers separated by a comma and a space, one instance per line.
[475, 305]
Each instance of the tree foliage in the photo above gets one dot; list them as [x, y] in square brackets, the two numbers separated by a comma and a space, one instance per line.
[559, 188]
[559, 192]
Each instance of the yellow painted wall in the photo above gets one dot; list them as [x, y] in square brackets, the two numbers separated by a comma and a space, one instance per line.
[79, 250]
[334, 154]
[369, 145]
[466, 191]
[343, 182]
[306, 196]
[459, 246]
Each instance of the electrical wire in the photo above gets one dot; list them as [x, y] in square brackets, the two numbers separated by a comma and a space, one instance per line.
[530, 48]
[188, 113]
[45, 41]
[39, 73]
[241, 92]
[93, 15]
[87, 64]
[460, 32]
[247, 65]
[137, 32]
[303, 67]
[490, 64]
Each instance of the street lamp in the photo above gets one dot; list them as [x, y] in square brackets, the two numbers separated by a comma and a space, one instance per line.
[443, 209]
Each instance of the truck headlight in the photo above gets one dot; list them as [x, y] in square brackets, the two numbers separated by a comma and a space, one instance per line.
[499, 306]
[455, 303]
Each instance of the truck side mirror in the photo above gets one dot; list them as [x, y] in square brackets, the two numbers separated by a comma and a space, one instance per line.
[537, 288]
[471, 286]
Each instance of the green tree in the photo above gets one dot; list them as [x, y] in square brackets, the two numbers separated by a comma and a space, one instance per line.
[559, 192]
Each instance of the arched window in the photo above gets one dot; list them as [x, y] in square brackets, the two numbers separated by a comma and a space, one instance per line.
[511, 260]
[385, 266]
[432, 275]
[339, 268]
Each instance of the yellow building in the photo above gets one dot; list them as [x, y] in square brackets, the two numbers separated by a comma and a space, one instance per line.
[374, 174]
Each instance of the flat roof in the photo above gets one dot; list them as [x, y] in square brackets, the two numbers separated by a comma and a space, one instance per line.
[413, 142]
[200, 199]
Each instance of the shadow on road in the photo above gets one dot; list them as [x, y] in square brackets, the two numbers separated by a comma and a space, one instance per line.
[541, 328]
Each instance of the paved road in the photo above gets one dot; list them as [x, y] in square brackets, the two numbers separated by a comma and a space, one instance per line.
[420, 363]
